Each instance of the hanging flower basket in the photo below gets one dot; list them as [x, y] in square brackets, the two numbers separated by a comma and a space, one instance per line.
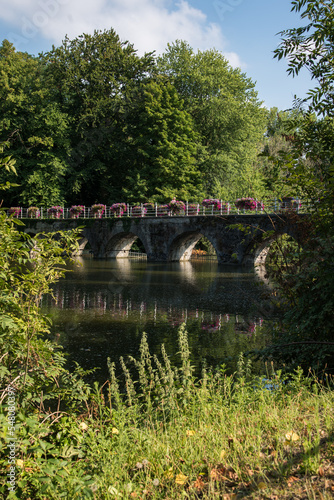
[138, 211]
[248, 204]
[118, 209]
[193, 209]
[98, 210]
[15, 211]
[212, 203]
[33, 213]
[150, 208]
[176, 207]
[55, 212]
[290, 203]
[162, 210]
[76, 211]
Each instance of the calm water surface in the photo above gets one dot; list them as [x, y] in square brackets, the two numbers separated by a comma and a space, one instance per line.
[103, 306]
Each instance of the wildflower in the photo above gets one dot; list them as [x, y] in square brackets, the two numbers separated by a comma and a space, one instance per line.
[190, 432]
[155, 482]
[290, 438]
[114, 430]
[83, 426]
[19, 462]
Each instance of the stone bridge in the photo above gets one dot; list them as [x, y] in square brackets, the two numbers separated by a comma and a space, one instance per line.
[173, 238]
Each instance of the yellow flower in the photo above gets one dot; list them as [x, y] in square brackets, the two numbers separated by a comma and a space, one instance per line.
[262, 486]
[114, 430]
[83, 426]
[290, 438]
[181, 479]
[190, 432]
[19, 462]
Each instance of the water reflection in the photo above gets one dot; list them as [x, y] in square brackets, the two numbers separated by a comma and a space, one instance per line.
[102, 307]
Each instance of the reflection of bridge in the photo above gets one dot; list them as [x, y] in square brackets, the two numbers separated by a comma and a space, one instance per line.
[173, 238]
[122, 309]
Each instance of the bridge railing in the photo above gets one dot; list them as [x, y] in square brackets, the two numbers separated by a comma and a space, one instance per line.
[273, 206]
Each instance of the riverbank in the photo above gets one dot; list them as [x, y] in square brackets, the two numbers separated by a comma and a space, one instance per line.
[170, 437]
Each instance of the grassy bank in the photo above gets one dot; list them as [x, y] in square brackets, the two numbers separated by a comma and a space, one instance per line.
[168, 436]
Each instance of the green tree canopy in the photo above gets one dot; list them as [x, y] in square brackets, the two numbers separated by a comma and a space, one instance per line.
[308, 285]
[227, 115]
[310, 47]
[34, 126]
[91, 77]
[163, 148]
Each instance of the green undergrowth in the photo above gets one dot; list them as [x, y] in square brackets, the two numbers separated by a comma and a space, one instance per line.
[166, 435]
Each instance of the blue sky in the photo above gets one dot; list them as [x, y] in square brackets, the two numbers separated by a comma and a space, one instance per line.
[245, 31]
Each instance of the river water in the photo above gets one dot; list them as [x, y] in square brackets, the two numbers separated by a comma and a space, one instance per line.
[102, 307]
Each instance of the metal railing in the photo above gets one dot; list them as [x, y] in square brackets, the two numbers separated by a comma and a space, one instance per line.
[155, 210]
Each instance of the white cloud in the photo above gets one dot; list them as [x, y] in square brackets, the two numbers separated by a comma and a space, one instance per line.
[148, 24]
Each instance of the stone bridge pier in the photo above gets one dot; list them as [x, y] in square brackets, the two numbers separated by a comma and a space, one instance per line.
[237, 239]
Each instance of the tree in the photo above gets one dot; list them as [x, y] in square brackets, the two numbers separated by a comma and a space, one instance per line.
[311, 47]
[227, 114]
[34, 127]
[279, 139]
[163, 150]
[90, 77]
[307, 322]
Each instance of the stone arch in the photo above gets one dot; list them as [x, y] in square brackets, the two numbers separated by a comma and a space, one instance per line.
[261, 248]
[82, 243]
[120, 244]
[182, 246]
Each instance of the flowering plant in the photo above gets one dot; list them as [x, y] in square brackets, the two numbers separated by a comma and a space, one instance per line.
[248, 204]
[149, 207]
[118, 209]
[193, 209]
[162, 210]
[76, 210]
[55, 212]
[138, 211]
[33, 213]
[98, 210]
[176, 207]
[14, 211]
[211, 202]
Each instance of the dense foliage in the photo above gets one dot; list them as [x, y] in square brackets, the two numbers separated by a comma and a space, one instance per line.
[91, 121]
[306, 281]
[227, 114]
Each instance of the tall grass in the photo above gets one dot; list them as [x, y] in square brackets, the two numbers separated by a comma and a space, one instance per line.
[166, 435]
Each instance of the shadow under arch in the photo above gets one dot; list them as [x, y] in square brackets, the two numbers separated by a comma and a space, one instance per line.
[260, 253]
[82, 243]
[182, 246]
[120, 245]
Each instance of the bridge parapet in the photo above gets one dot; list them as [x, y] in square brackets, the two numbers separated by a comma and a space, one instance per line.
[121, 210]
